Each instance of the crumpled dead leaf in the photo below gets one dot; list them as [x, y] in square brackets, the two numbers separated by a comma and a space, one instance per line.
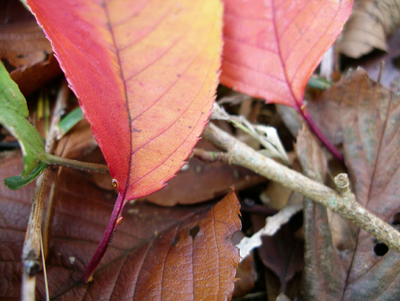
[181, 252]
[368, 27]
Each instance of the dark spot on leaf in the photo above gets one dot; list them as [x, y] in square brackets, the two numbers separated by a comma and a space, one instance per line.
[194, 231]
[380, 249]
[135, 130]
[189, 127]
[176, 241]
[396, 62]
[396, 219]
[178, 75]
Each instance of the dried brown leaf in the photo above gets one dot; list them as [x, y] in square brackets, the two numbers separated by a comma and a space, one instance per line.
[165, 253]
[369, 25]
[199, 181]
[281, 253]
[368, 116]
[323, 276]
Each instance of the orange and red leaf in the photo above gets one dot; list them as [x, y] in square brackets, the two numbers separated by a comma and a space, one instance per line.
[272, 47]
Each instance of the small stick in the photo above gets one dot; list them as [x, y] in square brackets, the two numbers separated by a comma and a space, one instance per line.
[85, 166]
[209, 156]
[343, 202]
[31, 249]
[32, 245]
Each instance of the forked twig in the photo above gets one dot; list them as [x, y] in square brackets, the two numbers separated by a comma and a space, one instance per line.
[341, 201]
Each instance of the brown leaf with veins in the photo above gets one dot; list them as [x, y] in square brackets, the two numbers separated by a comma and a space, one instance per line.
[162, 253]
[369, 25]
[368, 117]
[199, 181]
[323, 275]
[282, 253]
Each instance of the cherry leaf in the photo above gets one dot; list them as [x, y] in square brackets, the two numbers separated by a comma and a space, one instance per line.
[145, 74]
[272, 47]
[181, 253]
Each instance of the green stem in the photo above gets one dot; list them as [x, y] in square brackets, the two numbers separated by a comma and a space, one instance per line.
[86, 166]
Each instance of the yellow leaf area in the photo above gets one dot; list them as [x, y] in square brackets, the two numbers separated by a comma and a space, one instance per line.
[145, 73]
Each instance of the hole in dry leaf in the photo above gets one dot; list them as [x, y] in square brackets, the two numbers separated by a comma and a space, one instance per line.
[193, 232]
[396, 219]
[396, 62]
[176, 241]
[380, 249]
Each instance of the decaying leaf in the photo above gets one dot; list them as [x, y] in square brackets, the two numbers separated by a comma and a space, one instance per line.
[199, 181]
[369, 25]
[385, 68]
[323, 276]
[164, 253]
[368, 116]
[281, 253]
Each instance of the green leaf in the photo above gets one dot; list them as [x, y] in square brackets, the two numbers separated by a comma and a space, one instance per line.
[69, 121]
[13, 113]
[17, 182]
[319, 83]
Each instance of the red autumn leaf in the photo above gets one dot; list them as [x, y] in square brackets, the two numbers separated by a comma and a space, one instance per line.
[145, 74]
[272, 47]
[156, 251]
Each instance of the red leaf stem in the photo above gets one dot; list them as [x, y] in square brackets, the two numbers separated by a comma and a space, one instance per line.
[106, 240]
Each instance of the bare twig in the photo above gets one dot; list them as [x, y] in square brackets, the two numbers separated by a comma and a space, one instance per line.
[343, 202]
[32, 245]
[209, 156]
[85, 166]
[48, 221]
[31, 249]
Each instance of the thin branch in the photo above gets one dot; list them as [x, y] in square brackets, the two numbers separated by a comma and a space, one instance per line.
[343, 203]
[85, 166]
[32, 245]
[31, 249]
[209, 156]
